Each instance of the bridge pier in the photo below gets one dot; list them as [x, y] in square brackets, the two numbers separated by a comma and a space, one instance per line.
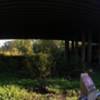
[83, 51]
[89, 49]
[67, 50]
[76, 52]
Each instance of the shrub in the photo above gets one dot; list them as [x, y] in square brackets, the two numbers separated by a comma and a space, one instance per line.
[43, 63]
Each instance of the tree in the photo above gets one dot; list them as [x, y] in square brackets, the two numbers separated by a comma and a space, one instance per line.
[18, 47]
[24, 46]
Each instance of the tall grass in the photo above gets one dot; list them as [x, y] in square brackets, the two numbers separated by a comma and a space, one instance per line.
[14, 88]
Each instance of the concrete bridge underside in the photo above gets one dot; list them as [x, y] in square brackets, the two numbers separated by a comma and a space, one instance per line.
[73, 20]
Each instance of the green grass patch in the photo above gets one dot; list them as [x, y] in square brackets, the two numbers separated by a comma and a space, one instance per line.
[14, 88]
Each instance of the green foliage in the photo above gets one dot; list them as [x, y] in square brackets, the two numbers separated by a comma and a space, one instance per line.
[39, 58]
[55, 51]
[14, 88]
[25, 46]
[36, 66]
[17, 47]
[16, 93]
[43, 62]
[39, 65]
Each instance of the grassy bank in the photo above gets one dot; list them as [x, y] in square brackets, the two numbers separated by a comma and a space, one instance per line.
[14, 88]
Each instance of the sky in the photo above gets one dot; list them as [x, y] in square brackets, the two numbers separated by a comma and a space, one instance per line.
[3, 41]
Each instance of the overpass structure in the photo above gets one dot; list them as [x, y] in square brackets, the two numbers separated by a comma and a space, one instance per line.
[75, 20]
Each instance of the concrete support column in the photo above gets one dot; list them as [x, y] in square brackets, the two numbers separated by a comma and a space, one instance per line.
[72, 46]
[76, 52]
[89, 49]
[83, 48]
[67, 51]
[72, 54]
[76, 47]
